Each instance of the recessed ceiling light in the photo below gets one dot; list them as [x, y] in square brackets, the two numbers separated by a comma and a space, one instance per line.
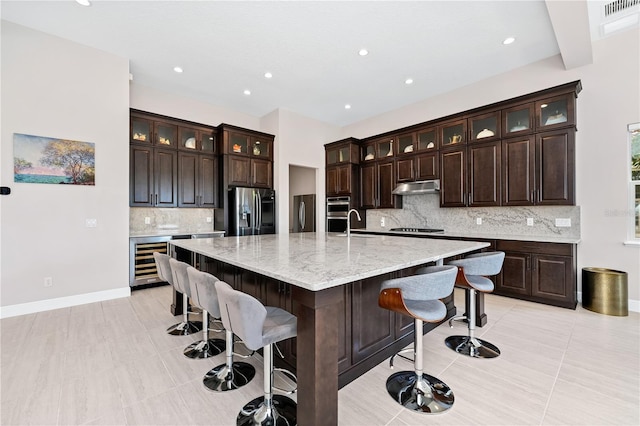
[408, 81]
[83, 2]
[363, 52]
[268, 75]
[347, 106]
[177, 69]
[247, 92]
[509, 40]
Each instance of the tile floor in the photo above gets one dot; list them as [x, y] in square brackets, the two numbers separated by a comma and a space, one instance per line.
[112, 363]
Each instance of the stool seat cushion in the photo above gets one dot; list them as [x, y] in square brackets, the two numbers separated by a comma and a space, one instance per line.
[204, 291]
[426, 310]
[480, 283]
[164, 268]
[254, 323]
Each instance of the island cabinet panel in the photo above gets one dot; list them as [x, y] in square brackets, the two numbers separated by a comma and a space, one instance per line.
[540, 272]
[372, 326]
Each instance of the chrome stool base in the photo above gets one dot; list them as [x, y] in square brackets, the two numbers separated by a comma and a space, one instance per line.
[222, 379]
[202, 349]
[184, 329]
[281, 413]
[473, 347]
[427, 396]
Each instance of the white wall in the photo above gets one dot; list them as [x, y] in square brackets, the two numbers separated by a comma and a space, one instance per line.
[56, 88]
[610, 100]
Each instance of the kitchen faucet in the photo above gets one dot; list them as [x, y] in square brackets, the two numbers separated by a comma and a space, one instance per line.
[349, 220]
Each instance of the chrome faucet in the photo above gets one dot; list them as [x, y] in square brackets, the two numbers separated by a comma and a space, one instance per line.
[349, 220]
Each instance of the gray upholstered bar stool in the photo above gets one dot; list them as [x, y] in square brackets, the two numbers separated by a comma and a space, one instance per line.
[205, 297]
[473, 271]
[185, 327]
[418, 296]
[259, 326]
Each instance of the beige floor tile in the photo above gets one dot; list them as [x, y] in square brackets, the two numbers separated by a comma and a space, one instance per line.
[112, 418]
[573, 404]
[89, 397]
[50, 322]
[78, 363]
[142, 378]
[29, 375]
[164, 341]
[166, 408]
[183, 369]
[132, 345]
[34, 407]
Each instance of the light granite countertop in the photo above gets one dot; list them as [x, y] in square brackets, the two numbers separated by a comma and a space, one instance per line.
[170, 233]
[453, 234]
[316, 261]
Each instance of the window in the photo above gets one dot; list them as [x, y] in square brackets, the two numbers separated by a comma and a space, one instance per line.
[634, 183]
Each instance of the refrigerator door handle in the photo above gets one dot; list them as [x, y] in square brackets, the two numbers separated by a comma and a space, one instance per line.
[301, 215]
[258, 211]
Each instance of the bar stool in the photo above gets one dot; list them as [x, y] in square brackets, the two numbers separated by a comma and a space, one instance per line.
[205, 297]
[418, 296]
[473, 271]
[259, 326]
[185, 327]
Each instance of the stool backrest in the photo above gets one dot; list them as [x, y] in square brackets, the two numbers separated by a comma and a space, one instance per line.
[163, 267]
[180, 278]
[485, 264]
[436, 284]
[204, 290]
[244, 315]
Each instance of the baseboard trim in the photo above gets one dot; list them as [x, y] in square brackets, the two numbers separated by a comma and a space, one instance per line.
[634, 305]
[63, 302]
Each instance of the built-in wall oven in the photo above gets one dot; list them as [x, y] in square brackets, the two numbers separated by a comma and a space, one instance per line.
[337, 210]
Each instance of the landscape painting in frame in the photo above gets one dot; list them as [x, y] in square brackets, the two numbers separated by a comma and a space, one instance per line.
[39, 159]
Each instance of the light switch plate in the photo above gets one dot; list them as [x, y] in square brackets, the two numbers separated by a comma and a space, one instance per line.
[563, 223]
[209, 219]
[91, 223]
[478, 221]
[382, 222]
[529, 221]
[147, 220]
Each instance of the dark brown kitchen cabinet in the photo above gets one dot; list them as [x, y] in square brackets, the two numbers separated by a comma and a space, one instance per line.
[453, 177]
[555, 112]
[539, 169]
[342, 171]
[147, 129]
[247, 157]
[152, 177]
[453, 133]
[540, 272]
[484, 174]
[377, 184]
[196, 139]
[427, 166]
[339, 180]
[484, 127]
[405, 170]
[197, 180]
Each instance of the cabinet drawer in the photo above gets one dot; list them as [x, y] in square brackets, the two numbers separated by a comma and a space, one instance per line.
[559, 249]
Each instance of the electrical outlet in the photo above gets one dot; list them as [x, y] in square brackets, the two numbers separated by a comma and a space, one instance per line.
[529, 221]
[91, 223]
[382, 222]
[209, 219]
[563, 223]
[478, 221]
[48, 281]
[147, 220]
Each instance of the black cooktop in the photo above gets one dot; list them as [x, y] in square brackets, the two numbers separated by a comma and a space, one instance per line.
[416, 230]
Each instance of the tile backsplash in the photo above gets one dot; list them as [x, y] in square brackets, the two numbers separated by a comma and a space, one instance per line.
[423, 211]
[188, 220]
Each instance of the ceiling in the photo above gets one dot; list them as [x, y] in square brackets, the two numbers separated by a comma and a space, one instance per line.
[311, 48]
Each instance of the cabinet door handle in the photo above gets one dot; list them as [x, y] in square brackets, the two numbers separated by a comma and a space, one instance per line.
[528, 263]
[156, 199]
[151, 198]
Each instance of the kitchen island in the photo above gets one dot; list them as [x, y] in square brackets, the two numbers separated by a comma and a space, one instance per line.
[331, 283]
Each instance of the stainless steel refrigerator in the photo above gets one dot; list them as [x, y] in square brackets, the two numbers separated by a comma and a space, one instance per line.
[252, 211]
[304, 213]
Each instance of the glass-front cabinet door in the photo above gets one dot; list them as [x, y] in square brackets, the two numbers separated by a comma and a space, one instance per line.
[188, 138]
[555, 112]
[406, 143]
[208, 140]
[453, 133]
[368, 152]
[385, 147]
[485, 127]
[166, 134]
[238, 143]
[141, 130]
[518, 120]
[261, 147]
[427, 139]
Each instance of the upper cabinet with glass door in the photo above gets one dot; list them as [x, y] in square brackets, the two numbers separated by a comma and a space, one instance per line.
[484, 127]
[262, 147]
[341, 152]
[146, 130]
[196, 139]
[406, 143]
[555, 112]
[427, 139]
[368, 152]
[384, 147]
[518, 120]
[453, 133]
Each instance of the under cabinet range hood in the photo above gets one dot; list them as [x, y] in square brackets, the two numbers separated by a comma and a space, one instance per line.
[419, 187]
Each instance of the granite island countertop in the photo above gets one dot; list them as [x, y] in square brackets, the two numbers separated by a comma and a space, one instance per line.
[479, 235]
[316, 261]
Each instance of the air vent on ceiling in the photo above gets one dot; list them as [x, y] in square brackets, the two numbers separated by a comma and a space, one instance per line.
[619, 6]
